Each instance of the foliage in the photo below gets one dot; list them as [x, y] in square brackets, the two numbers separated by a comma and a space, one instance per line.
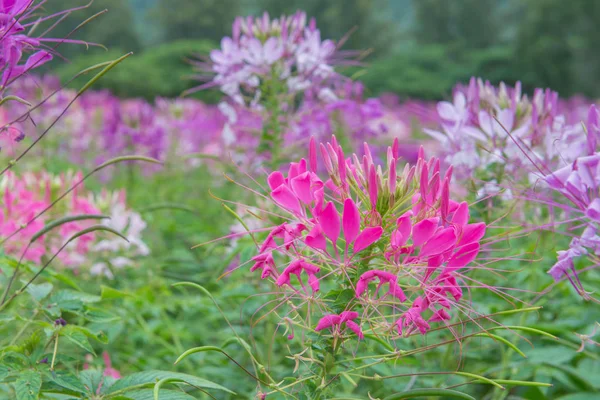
[162, 71]
[363, 22]
[114, 29]
[194, 19]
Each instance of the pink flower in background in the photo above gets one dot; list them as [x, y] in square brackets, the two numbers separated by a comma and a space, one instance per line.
[109, 370]
[26, 196]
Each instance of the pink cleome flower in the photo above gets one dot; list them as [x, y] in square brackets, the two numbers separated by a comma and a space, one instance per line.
[362, 224]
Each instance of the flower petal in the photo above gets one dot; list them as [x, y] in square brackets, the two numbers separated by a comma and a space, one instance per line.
[367, 237]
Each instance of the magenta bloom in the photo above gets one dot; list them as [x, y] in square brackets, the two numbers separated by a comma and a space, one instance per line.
[384, 277]
[350, 220]
[334, 321]
[296, 268]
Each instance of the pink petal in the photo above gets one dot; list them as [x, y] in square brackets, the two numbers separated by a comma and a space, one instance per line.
[373, 186]
[350, 221]
[395, 148]
[404, 227]
[275, 179]
[285, 198]
[396, 291]
[464, 256]
[472, 233]
[313, 282]
[367, 237]
[312, 154]
[445, 200]
[319, 198]
[327, 322]
[284, 279]
[354, 327]
[348, 315]
[330, 222]
[315, 239]
[439, 243]
[423, 230]
[392, 176]
[424, 182]
[301, 186]
[461, 215]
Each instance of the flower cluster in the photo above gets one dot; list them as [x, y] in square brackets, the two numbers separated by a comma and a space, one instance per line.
[494, 132]
[29, 205]
[262, 49]
[579, 183]
[100, 126]
[366, 223]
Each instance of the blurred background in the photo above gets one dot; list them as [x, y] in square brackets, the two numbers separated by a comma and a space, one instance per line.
[414, 48]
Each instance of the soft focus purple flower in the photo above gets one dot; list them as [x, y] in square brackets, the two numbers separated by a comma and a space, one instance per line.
[488, 125]
[262, 49]
[579, 183]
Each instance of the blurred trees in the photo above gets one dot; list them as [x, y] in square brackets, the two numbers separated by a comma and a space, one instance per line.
[421, 47]
[114, 29]
[162, 71]
[195, 19]
[557, 43]
[364, 21]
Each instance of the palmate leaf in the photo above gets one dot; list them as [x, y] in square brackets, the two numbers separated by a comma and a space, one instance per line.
[153, 376]
[28, 385]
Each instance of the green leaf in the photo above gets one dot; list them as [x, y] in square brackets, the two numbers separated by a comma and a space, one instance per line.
[28, 385]
[580, 396]
[110, 293]
[62, 278]
[91, 379]
[78, 338]
[68, 381]
[550, 354]
[39, 292]
[151, 377]
[148, 394]
[6, 318]
[444, 393]
[4, 371]
[100, 315]
[574, 376]
[591, 369]
[72, 300]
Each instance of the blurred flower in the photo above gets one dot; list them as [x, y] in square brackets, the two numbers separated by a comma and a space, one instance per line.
[25, 198]
[262, 49]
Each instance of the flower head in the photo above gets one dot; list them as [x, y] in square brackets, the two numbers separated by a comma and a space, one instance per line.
[366, 223]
